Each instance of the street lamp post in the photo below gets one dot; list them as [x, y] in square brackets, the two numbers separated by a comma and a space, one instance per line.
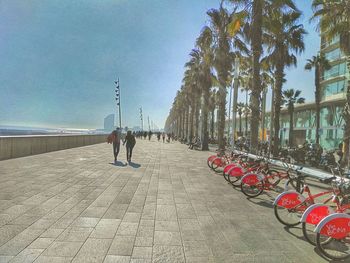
[234, 104]
[141, 117]
[117, 98]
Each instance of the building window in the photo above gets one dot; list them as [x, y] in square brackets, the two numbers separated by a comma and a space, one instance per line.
[333, 55]
[333, 88]
[326, 117]
[336, 70]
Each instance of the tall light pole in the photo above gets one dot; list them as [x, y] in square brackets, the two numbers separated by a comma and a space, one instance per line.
[141, 118]
[235, 97]
[117, 98]
[149, 126]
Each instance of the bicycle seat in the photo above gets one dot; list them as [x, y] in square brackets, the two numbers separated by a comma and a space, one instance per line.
[327, 180]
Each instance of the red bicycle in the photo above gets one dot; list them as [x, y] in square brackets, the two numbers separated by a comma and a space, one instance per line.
[264, 179]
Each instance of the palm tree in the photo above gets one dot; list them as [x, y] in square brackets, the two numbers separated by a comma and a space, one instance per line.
[212, 108]
[290, 98]
[240, 109]
[257, 10]
[204, 42]
[283, 37]
[320, 63]
[334, 20]
[219, 20]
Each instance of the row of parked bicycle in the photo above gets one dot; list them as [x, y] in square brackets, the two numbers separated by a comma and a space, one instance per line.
[325, 224]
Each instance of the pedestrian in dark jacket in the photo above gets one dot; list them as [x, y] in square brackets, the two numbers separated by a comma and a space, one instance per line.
[114, 138]
[130, 143]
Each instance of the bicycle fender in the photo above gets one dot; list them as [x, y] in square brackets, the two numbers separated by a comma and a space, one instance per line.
[335, 225]
[236, 171]
[211, 158]
[289, 199]
[315, 213]
[251, 179]
[228, 167]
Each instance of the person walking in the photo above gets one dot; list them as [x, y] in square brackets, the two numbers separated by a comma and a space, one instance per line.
[114, 138]
[163, 136]
[130, 143]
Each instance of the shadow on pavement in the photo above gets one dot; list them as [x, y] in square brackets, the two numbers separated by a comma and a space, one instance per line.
[260, 201]
[296, 229]
[134, 165]
[119, 163]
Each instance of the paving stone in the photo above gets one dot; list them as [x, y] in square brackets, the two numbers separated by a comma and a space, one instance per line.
[75, 234]
[142, 252]
[122, 246]
[172, 226]
[167, 238]
[63, 249]
[163, 254]
[127, 229]
[116, 259]
[42, 242]
[27, 255]
[49, 259]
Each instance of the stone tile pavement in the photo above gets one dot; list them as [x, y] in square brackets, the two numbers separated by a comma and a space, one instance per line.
[76, 206]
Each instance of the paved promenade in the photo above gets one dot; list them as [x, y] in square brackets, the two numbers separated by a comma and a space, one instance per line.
[75, 206]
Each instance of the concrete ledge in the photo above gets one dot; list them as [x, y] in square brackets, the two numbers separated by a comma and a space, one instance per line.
[19, 146]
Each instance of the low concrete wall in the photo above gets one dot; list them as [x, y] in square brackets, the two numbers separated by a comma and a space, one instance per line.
[19, 146]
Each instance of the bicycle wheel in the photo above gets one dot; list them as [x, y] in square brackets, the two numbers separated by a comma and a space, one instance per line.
[226, 170]
[235, 175]
[336, 249]
[252, 190]
[293, 184]
[310, 235]
[217, 164]
[210, 159]
[288, 217]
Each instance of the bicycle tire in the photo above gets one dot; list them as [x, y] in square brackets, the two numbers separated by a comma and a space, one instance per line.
[210, 159]
[256, 189]
[310, 235]
[215, 166]
[323, 248]
[226, 175]
[278, 210]
[234, 180]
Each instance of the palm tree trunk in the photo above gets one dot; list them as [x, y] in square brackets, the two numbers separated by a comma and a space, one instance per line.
[197, 116]
[212, 123]
[183, 125]
[240, 124]
[246, 124]
[187, 122]
[256, 89]
[317, 102]
[346, 146]
[222, 111]
[191, 124]
[205, 133]
[291, 125]
[277, 107]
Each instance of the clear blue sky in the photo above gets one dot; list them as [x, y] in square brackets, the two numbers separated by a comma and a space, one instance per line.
[59, 58]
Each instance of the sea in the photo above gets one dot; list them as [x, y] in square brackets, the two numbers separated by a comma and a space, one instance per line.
[6, 130]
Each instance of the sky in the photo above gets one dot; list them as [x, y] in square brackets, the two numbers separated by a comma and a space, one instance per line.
[60, 58]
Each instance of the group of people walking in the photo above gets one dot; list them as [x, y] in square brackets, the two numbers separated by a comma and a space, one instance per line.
[115, 138]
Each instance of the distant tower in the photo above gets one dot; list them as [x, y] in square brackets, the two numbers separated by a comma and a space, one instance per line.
[109, 122]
